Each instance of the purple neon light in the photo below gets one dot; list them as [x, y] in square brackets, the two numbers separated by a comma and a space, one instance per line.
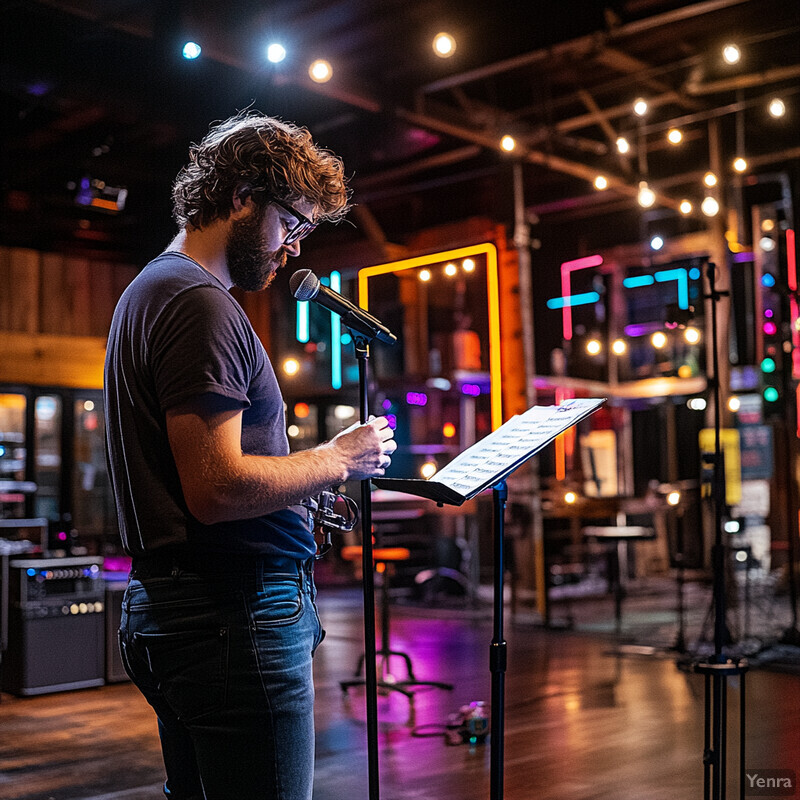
[471, 389]
[416, 398]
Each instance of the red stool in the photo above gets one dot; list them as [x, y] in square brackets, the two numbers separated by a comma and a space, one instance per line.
[384, 559]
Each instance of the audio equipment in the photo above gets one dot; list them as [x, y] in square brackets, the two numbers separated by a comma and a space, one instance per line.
[56, 625]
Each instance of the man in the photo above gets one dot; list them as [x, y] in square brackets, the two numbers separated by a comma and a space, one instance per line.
[219, 623]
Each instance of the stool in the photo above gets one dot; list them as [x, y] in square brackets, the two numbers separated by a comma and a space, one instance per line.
[384, 558]
[618, 535]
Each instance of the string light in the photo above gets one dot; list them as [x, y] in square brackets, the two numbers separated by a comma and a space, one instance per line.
[291, 366]
[674, 136]
[640, 107]
[692, 335]
[623, 145]
[673, 498]
[710, 207]
[618, 347]
[658, 340]
[444, 45]
[428, 469]
[731, 54]
[710, 179]
[508, 143]
[468, 264]
[450, 270]
[601, 183]
[685, 207]
[777, 108]
[646, 196]
[593, 347]
[739, 164]
[425, 275]
[656, 243]
[734, 404]
[570, 498]
[320, 71]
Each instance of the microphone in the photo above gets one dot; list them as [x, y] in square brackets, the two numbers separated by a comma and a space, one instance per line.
[305, 285]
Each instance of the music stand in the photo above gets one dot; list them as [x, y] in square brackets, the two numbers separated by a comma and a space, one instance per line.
[487, 464]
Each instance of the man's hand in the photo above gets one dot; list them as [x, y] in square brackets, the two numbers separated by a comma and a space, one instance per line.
[366, 448]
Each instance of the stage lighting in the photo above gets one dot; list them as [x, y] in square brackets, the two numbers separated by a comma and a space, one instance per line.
[623, 145]
[710, 206]
[191, 50]
[320, 71]
[731, 53]
[777, 108]
[444, 45]
[601, 183]
[674, 136]
[646, 196]
[640, 107]
[276, 53]
[508, 143]
[685, 207]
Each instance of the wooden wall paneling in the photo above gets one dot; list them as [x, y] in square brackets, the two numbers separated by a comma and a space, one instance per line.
[5, 289]
[103, 297]
[52, 305]
[122, 275]
[76, 278]
[51, 360]
[24, 290]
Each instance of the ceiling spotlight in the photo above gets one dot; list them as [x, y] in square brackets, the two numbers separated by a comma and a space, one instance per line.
[444, 45]
[623, 145]
[508, 143]
[710, 179]
[618, 347]
[450, 270]
[640, 107]
[658, 339]
[777, 108]
[425, 275]
[731, 53]
[656, 243]
[601, 183]
[710, 207]
[646, 196]
[191, 50]
[674, 136]
[468, 264]
[685, 207]
[739, 164]
[320, 71]
[276, 53]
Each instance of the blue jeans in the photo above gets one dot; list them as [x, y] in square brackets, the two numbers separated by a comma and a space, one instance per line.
[225, 662]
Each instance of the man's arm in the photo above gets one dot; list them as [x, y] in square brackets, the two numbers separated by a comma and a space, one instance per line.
[221, 483]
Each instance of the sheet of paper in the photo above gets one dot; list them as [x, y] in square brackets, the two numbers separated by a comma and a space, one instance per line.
[511, 443]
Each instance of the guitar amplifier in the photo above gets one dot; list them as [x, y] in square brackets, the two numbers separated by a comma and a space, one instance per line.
[56, 625]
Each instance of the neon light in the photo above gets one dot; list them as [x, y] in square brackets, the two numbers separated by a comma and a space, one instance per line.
[681, 277]
[303, 328]
[641, 329]
[573, 300]
[336, 336]
[770, 328]
[767, 280]
[566, 268]
[416, 398]
[471, 389]
[742, 258]
[694, 273]
[492, 287]
[638, 280]
[791, 259]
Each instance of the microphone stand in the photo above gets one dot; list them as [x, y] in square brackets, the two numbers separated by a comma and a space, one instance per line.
[361, 344]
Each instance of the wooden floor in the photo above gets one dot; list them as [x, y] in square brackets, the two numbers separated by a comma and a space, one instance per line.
[581, 722]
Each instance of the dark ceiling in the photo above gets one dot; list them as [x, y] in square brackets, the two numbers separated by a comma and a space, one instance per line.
[97, 89]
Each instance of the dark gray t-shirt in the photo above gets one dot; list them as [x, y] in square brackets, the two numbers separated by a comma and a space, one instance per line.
[177, 335]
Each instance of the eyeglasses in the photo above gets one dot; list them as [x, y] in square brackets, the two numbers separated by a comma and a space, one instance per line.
[304, 224]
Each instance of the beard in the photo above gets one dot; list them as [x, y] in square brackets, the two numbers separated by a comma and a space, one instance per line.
[251, 264]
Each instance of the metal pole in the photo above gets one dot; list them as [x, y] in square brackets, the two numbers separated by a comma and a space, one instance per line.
[497, 651]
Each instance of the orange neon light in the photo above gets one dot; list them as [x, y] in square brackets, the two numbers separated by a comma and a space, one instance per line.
[492, 287]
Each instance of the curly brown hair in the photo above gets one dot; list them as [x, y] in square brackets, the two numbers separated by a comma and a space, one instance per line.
[264, 154]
